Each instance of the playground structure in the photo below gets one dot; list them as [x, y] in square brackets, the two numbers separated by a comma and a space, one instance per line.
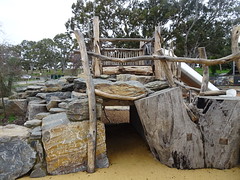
[166, 67]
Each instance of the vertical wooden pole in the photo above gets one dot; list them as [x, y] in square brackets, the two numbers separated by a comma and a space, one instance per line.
[162, 70]
[96, 47]
[159, 73]
[235, 49]
[92, 104]
[205, 79]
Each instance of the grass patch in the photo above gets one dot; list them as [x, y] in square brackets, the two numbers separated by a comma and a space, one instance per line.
[11, 118]
[218, 71]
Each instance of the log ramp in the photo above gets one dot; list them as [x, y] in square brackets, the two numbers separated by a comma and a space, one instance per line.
[203, 134]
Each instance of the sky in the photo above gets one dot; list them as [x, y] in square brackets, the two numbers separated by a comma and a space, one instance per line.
[33, 19]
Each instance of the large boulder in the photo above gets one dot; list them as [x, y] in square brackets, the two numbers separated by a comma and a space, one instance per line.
[66, 147]
[16, 155]
[157, 85]
[17, 107]
[33, 123]
[53, 85]
[34, 109]
[54, 120]
[53, 103]
[78, 110]
[79, 85]
[59, 95]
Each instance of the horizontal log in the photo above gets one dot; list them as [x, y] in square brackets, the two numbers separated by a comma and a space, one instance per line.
[125, 39]
[139, 70]
[208, 62]
[213, 93]
[119, 97]
[121, 49]
[186, 87]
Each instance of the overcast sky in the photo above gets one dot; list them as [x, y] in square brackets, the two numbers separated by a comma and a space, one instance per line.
[33, 19]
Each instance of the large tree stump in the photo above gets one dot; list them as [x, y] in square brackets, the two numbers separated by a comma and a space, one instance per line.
[220, 126]
[172, 137]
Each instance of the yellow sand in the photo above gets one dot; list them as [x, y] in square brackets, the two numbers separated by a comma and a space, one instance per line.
[130, 158]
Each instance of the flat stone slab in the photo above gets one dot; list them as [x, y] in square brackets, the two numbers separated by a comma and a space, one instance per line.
[54, 120]
[33, 123]
[57, 110]
[129, 90]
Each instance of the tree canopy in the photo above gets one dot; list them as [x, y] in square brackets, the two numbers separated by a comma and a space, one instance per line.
[46, 53]
[190, 24]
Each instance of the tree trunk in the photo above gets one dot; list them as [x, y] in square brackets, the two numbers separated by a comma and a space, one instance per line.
[172, 137]
[220, 127]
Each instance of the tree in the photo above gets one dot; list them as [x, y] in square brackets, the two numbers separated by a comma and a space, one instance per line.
[65, 46]
[29, 55]
[9, 68]
[191, 24]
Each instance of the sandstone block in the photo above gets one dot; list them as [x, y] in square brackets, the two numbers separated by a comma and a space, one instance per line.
[66, 147]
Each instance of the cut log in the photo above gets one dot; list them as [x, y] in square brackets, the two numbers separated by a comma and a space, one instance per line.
[220, 127]
[137, 70]
[171, 135]
[96, 62]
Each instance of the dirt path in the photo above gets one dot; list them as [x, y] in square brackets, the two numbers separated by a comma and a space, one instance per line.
[130, 159]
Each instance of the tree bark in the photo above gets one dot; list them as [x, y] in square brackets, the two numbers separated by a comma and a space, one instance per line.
[172, 137]
[220, 128]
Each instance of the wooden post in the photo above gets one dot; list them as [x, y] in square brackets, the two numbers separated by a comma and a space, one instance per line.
[159, 72]
[92, 104]
[235, 49]
[96, 48]
[162, 70]
[205, 79]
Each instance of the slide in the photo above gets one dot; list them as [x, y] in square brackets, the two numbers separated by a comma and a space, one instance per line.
[192, 77]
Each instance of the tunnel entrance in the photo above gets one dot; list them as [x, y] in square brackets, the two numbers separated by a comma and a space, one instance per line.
[124, 134]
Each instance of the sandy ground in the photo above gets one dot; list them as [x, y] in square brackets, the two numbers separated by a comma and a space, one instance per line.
[131, 159]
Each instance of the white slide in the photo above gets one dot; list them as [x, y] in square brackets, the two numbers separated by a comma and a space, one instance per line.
[195, 76]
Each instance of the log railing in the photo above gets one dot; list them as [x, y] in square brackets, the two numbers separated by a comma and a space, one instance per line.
[207, 62]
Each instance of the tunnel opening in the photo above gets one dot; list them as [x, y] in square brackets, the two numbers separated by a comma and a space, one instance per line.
[124, 134]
